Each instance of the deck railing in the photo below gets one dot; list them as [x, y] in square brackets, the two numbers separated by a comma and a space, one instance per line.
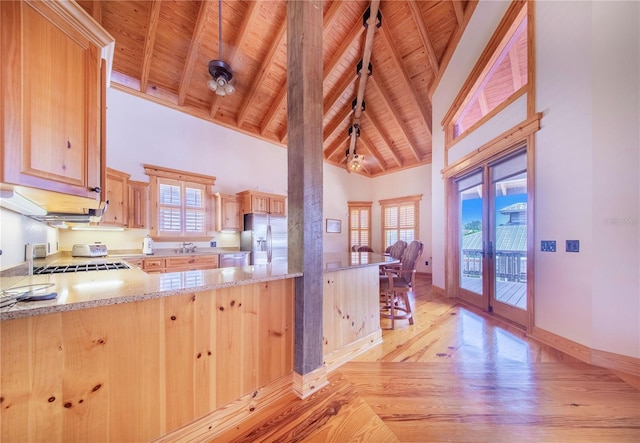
[510, 265]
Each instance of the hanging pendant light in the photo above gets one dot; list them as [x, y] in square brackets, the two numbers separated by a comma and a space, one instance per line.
[220, 71]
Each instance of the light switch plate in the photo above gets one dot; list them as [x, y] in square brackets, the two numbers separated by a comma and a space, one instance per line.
[573, 245]
[548, 246]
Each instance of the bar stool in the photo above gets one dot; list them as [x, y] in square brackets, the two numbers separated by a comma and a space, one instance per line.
[394, 298]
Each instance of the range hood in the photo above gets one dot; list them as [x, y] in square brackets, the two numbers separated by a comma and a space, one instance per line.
[91, 216]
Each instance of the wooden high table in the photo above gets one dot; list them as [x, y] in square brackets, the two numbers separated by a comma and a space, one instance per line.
[351, 308]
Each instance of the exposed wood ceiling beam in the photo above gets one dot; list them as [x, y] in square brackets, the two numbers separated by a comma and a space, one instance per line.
[482, 102]
[459, 11]
[452, 44]
[331, 128]
[337, 146]
[262, 73]
[96, 11]
[273, 110]
[204, 16]
[150, 39]
[339, 91]
[414, 7]
[514, 59]
[403, 127]
[376, 126]
[243, 34]
[347, 43]
[425, 112]
[370, 147]
[331, 14]
[329, 17]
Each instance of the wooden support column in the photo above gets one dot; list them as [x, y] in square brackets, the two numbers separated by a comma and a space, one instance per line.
[304, 115]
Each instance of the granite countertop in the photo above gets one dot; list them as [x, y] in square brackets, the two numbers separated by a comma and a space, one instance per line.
[81, 290]
[339, 261]
[173, 252]
[90, 289]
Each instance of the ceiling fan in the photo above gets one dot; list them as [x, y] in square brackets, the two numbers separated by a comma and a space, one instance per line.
[220, 71]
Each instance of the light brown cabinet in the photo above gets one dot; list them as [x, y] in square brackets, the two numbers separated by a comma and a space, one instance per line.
[228, 213]
[256, 202]
[52, 83]
[138, 201]
[117, 193]
[179, 263]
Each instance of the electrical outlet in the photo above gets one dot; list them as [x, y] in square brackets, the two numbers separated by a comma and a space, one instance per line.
[548, 246]
[573, 245]
[426, 263]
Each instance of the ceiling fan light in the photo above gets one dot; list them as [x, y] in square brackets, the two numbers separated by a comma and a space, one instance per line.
[213, 85]
[356, 162]
[222, 75]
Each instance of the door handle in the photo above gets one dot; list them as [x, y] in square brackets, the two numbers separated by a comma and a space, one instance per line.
[483, 249]
[490, 253]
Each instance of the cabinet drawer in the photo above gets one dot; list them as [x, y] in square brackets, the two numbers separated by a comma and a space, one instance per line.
[192, 262]
[153, 263]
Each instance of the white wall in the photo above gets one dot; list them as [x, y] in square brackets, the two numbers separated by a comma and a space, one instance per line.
[16, 230]
[140, 131]
[341, 187]
[616, 184]
[414, 181]
[587, 166]
[484, 21]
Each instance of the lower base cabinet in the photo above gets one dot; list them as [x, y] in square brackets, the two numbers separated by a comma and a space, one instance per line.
[134, 372]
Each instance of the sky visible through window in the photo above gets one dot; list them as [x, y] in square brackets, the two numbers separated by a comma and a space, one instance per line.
[472, 208]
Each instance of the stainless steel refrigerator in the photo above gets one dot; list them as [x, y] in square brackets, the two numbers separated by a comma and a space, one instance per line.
[265, 236]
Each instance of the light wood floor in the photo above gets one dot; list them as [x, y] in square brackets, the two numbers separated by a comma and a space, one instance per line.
[455, 376]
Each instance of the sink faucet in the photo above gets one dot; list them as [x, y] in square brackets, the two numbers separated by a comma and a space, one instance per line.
[188, 247]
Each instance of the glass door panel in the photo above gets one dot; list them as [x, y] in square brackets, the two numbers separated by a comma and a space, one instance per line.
[508, 237]
[471, 238]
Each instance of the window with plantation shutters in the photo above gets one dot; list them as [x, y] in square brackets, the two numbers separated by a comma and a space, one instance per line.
[359, 224]
[400, 219]
[180, 204]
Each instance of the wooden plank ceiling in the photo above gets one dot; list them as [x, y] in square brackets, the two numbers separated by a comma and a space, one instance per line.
[163, 49]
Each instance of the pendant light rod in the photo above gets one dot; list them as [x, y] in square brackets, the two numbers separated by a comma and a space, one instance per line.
[220, 29]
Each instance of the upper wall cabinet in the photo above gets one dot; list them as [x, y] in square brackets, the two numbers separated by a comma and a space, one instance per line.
[117, 193]
[138, 202]
[53, 84]
[228, 213]
[262, 202]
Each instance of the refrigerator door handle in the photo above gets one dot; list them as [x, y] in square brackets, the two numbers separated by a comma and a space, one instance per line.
[269, 243]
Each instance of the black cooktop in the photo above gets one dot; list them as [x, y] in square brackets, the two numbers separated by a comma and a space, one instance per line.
[60, 269]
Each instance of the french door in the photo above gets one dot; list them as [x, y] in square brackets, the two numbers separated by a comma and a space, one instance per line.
[492, 236]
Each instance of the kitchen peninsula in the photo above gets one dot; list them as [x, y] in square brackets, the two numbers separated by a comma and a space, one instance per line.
[128, 356]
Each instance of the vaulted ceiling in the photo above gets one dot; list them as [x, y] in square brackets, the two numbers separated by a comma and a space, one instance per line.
[163, 49]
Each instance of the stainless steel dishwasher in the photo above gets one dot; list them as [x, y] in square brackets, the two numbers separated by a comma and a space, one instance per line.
[229, 260]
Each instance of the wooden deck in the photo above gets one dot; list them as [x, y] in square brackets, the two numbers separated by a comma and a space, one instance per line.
[512, 293]
[457, 375]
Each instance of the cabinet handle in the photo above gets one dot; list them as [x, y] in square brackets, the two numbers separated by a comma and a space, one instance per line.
[68, 144]
[97, 189]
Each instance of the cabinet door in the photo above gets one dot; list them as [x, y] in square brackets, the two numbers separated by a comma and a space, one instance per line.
[117, 193]
[50, 80]
[277, 205]
[230, 216]
[138, 197]
[259, 203]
